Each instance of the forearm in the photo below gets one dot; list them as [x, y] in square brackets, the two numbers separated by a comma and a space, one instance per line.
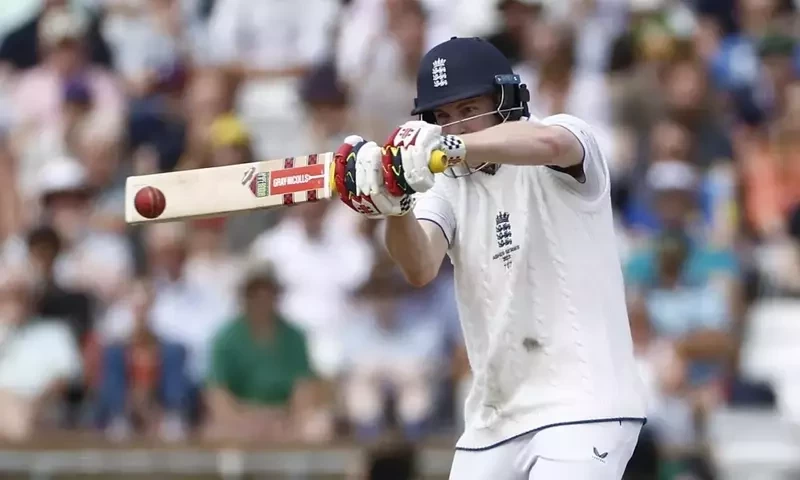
[706, 345]
[411, 249]
[523, 143]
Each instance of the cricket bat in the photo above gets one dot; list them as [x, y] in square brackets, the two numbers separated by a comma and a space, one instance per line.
[220, 191]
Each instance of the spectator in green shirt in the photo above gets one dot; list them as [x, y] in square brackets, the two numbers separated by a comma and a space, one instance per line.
[261, 385]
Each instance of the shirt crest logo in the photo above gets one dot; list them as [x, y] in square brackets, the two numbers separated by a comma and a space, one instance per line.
[504, 240]
[439, 73]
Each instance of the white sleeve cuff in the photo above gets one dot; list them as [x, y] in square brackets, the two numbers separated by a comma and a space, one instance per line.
[594, 164]
[433, 207]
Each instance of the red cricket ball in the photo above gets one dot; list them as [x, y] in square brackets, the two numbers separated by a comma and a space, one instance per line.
[150, 202]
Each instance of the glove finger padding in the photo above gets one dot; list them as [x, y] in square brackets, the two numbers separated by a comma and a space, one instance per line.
[345, 177]
[370, 179]
[419, 178]
[359, 179]
[416, 141]
[393, 178]
[343, 153]
[369, 174]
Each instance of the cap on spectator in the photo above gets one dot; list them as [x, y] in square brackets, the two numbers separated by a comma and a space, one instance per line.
[62, 24]
[321, 86]
[63, 175]
[229, 131]
[262, 273]
[672, 175]
[77, 90]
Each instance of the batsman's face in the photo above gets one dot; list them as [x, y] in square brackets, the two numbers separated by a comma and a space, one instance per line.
[467, 116]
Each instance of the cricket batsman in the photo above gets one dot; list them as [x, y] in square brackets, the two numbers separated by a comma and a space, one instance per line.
[525, 216]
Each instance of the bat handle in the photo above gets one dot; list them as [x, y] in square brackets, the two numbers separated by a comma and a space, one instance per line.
[438, 162]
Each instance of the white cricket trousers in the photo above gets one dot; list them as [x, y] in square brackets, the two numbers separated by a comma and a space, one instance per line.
[586, 451]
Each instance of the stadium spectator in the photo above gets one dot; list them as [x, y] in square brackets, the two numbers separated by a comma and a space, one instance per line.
[183, 312]
[517, 16]
[559, 85]
[144, 386]
[771, 176]
[327, 103]
[230, 144]
[261, 385]
[695, 316]
[383, 82]
[75, 308]
[268, 63]
[96, 261]
[147, 38]
[688, 102]
[22, 48]
[209, 261]
[57, 102]
[674, 187]
[161, 120]
[395, 352]
[663, 370]
[40, 359]
[320, 267]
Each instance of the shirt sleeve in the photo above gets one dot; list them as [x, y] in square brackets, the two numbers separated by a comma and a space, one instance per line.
[435, 206]
[596, 182]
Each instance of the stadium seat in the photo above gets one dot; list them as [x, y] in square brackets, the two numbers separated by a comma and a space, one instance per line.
[753, 444]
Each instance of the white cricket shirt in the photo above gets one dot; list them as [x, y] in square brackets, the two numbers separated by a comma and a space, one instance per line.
[540, 296]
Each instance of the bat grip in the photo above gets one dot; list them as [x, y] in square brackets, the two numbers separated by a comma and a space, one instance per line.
[438, 161]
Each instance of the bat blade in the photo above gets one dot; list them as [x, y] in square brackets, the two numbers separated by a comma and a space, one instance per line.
[219, 191]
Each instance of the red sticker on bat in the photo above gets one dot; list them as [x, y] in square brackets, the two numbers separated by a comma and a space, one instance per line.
[297, 179]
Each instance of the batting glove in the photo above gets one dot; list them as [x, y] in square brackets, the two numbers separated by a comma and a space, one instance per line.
[359, 178]
[407, 155]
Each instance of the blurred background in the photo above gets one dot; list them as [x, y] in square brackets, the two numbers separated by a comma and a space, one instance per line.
[284, 344]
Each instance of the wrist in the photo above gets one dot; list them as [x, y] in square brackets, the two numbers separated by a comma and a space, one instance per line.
[454, 148]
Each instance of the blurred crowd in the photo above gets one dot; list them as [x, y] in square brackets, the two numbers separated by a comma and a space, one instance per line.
[293, 325]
